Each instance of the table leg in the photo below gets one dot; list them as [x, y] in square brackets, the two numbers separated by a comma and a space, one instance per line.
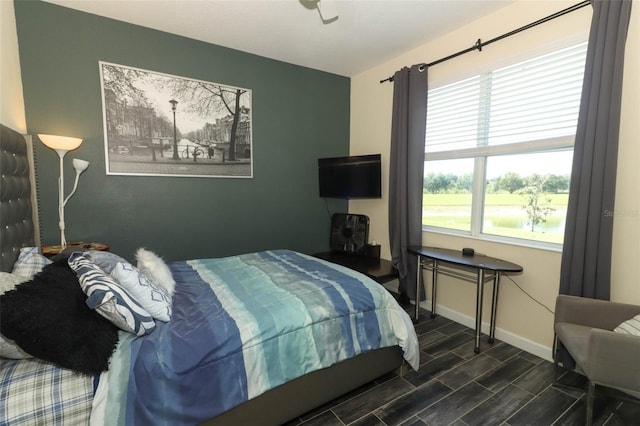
[494, 306]
[434, 287]
[480, 289]
[418, 286]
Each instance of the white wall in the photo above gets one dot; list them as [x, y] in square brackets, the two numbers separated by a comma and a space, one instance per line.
[521, 321]
[626, 231]
[11, 101]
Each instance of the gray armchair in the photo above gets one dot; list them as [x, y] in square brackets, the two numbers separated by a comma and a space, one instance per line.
[606, 358]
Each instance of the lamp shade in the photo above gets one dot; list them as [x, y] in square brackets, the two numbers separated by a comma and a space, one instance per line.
[80, 165]
[62, 143]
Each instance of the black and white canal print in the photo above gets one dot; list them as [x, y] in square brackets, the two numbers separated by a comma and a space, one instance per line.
[163, 125]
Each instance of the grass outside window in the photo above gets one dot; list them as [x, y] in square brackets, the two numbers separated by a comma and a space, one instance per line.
[504, 215]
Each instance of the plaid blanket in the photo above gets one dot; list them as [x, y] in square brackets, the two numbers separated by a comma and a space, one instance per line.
[34, 392]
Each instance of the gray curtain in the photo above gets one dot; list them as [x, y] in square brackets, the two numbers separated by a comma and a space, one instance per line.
[406, 175]
[586, 256]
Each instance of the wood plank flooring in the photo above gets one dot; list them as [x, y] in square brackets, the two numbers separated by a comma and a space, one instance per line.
[500, 386]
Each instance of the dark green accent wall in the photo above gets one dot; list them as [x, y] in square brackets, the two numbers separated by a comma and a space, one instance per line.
[298, 114]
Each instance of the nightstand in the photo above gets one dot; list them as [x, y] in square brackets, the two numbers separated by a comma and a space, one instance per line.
[380, 270]
[52, 250]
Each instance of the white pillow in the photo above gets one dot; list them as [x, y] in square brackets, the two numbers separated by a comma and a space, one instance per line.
[29, 262]
[8, 348]
[154, 267]
[152, 297]
[631, 326]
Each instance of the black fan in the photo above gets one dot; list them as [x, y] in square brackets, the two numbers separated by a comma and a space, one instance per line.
[349, 233]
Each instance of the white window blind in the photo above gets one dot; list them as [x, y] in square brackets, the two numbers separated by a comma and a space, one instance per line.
[534, 101]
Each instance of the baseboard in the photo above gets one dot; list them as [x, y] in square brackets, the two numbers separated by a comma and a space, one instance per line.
[505, 336]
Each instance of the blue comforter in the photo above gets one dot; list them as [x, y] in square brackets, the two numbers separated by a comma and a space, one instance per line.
[242, 325]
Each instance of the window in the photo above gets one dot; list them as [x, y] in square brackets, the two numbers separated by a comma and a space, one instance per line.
[499, 147]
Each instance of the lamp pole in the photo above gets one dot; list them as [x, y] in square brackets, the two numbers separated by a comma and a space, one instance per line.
[62, 145]
[173, 103]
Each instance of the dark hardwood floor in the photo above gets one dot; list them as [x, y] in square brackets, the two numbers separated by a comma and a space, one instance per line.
[500, 386]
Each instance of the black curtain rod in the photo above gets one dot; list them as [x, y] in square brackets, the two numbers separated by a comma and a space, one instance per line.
[480, 44]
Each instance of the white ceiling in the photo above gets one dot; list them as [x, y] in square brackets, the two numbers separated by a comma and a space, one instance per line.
[366, 33]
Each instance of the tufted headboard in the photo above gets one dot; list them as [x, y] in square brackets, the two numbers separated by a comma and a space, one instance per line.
[19, 225]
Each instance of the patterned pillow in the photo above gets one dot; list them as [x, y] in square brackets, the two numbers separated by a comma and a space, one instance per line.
[29, 262]
[108, 298]
[105, 260]
[631, 326]
[144, 290]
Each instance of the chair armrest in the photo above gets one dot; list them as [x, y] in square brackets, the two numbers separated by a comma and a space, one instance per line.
[593, 312]
[612, 360]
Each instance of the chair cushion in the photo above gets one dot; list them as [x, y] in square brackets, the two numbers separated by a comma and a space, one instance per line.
[606, 358]
[575, 338]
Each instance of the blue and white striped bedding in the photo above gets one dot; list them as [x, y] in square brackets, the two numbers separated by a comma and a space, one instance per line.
[242, 325]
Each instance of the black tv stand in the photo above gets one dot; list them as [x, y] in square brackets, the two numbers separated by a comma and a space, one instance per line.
[380, 270]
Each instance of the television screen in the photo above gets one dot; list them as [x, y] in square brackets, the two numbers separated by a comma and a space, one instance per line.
[350, 177]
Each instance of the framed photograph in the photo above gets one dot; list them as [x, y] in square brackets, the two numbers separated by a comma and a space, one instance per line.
[163, 125]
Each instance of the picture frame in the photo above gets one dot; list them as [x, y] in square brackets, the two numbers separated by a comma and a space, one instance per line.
[158, 124]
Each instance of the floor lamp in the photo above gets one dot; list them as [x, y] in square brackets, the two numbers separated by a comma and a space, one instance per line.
[62, 145]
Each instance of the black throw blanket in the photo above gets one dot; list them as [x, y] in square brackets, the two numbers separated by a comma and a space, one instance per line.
[49, 319]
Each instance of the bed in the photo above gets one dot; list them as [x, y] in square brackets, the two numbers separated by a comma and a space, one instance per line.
[258, 338]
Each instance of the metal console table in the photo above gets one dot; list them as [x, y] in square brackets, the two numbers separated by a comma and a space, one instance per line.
[455, 263]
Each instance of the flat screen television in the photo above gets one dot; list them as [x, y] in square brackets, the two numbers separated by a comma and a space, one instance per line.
[350, 177]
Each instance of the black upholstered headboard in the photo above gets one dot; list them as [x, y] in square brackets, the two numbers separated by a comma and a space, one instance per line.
[19, 225]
